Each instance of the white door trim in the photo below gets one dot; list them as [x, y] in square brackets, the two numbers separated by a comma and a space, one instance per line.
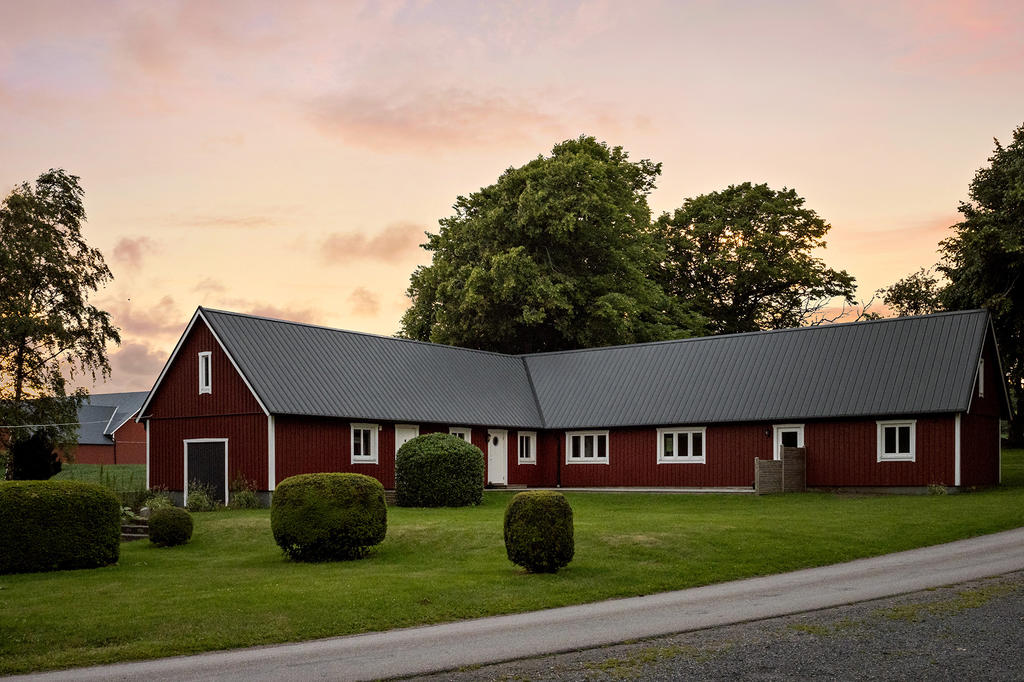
[497, 457]
[777, 436]
[408, 427]
[185, 451]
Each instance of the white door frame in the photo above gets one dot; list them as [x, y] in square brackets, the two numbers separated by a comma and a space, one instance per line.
[205, 440]
[408, 427]
[777, 436]
[497, 454]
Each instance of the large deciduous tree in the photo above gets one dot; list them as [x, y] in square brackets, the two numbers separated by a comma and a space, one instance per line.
[49, 332]
[557, 254]
[984, 259]
[743, 258]
[919, 293]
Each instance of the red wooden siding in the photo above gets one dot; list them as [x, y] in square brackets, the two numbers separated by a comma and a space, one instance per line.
[247, 447]
[306, 445]
[96, 454]
[979, 428]
[845, 453]
[130, 443]
[178, 395]
[633, 460]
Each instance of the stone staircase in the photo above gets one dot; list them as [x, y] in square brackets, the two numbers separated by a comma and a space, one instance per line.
[137, 529]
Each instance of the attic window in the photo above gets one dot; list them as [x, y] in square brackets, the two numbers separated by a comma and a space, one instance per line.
[205, 373]
[981, 378]
[896, 441]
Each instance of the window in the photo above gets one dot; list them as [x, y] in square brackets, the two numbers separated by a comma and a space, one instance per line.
[896, 441]
[527, 447]
[586, 447]
[364, 443]
[205, 373]
[981, 378]
[681, 444]
[461, 432]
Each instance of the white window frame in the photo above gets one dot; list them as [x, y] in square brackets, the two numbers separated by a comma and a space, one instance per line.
[372, 458]
[463, 432]
[531, 438]
[682, 435]
[569, 459]
[981, 378]
[897, 456]
[206, 387]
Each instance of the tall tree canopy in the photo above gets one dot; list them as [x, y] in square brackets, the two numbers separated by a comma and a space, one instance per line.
[49, 332]
[556, 254]
[984, 259]
[919, 293]
[742, 257]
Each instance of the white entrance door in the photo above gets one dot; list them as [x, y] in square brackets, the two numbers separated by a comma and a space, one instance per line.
[405, 433]
[789, 436]
[497, 457]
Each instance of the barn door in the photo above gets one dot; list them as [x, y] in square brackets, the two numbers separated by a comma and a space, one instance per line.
[206, 463]
[787, 436]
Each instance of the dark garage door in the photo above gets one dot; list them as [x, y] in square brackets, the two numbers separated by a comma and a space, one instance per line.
[206, 467]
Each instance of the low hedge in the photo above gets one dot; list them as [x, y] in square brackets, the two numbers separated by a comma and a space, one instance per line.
[326, 517]
[439, 470]
[539, 531]
[170, 526]
[57, 525]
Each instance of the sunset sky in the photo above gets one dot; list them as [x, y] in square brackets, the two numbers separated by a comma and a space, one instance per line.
[285, 158]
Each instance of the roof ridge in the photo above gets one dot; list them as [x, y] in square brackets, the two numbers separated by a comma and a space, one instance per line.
[356, 333]
[903, 318]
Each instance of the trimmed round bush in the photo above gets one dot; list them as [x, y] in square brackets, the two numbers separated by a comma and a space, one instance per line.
[439, 470]
[170, 526]
[57, 525]
[327, 517]
[539, 531]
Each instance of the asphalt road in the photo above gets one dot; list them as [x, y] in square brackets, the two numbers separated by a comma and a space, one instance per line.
[418, 651]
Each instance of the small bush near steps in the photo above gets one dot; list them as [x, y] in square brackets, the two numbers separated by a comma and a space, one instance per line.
[439, 470]
[170, 526]
[539, 531]
[327, 517]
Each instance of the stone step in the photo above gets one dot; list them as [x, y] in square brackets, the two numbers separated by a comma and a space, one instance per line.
[129, 537]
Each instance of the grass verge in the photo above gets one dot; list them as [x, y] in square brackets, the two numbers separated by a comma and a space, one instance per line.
[441, 565]
[113, 476]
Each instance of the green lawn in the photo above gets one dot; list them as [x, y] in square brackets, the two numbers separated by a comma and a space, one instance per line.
[231, 587]
[114, 476]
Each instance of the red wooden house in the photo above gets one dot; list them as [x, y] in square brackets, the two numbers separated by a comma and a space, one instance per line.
[108, 432]
[901, 402]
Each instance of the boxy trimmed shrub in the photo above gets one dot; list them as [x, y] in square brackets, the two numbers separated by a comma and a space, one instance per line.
[326, 517]
[57, 525]
[439, 470]
[170, 526]
[539, 531]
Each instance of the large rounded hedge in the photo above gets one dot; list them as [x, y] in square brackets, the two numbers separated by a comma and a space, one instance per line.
[439, 470]
[325, 517]
[57, 525]
[170, 526]
[539, 531]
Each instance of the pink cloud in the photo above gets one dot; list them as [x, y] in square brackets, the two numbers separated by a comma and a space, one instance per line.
[307, 315]
[210, 285]
[363, 302]
[396, 243]
[130, 251]
[134, 367]
[135, 320]
[431, 118]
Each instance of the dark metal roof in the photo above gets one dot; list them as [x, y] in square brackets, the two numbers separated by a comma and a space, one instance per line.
[902, 366]
[307, 370]
[910, 365]
[92, 424]
[112, 409]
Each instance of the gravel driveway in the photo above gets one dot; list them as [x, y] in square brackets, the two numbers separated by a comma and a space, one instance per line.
[972, 630]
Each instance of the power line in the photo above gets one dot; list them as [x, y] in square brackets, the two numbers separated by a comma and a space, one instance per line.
[36, 426]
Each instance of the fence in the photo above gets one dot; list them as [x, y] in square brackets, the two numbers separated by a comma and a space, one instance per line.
[785, 475]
